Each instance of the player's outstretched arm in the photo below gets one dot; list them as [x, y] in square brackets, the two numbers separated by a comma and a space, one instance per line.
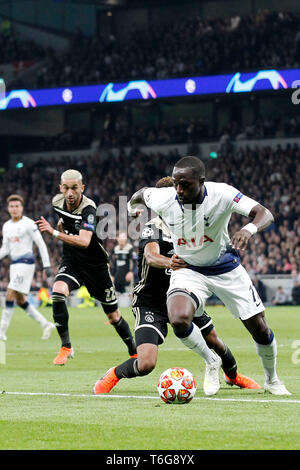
[81, 241]
[261, 219]
[155, 259]
[40, 243]
[136, 200]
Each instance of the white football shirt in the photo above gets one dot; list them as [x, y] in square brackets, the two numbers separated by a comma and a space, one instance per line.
[18, 238]
[200, 236]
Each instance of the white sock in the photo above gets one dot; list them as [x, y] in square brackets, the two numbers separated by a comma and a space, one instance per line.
[196, 343]
[268, 355]
[33, 313]
[7, 314]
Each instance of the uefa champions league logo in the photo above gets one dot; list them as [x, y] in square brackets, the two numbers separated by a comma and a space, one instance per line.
[237, 85]
[2, 89]
[109, 94]
[23, 96]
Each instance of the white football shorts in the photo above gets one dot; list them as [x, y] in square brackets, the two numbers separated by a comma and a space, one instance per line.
[235, 289]
[20, 277]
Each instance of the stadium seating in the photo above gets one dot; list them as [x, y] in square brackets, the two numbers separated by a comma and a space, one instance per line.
[198, 47]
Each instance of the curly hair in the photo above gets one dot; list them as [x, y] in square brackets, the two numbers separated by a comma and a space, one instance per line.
[165, 182]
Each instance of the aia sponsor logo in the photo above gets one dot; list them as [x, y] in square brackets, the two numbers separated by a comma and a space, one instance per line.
[14, 240]
[192, 243]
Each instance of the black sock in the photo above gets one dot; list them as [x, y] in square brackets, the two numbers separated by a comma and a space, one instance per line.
[229, 365]
[61, 318]
[128, 369]
[123, 330]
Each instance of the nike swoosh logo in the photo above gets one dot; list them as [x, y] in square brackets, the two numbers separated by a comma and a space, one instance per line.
[258, 304]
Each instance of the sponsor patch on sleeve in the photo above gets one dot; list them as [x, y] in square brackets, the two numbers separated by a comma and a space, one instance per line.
[92, 227]
[238, 197]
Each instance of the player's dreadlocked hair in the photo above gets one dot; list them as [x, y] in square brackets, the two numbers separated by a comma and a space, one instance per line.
[165, 182]
[192, 163]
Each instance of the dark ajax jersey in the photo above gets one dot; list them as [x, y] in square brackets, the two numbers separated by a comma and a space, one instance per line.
[122, 262]
[82, 218]
[154, 282]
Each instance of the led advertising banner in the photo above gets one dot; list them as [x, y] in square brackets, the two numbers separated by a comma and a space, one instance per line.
[152, 89]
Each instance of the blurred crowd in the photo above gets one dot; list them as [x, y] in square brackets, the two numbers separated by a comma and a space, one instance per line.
[269, 176]
[118, 132]
[192, 46]
[15, 48]
[183, 48]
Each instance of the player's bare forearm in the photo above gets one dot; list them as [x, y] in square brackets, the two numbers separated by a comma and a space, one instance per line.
[261, 219]
[154, 258]
[81, 241]
[177, 263]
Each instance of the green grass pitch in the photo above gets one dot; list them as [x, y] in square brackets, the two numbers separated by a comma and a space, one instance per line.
[47, 407]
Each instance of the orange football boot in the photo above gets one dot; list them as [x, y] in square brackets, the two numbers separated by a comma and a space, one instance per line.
[242, 381]
[106, 383]
[134, 356]
[63, 355]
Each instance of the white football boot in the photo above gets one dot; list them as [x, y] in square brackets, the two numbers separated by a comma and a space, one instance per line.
[276, 388]
[47, 330]
[211, 384]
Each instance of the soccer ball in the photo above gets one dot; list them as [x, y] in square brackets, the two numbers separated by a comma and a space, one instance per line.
[176, 385]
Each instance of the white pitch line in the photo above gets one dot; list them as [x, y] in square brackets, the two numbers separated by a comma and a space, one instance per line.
[143, 397]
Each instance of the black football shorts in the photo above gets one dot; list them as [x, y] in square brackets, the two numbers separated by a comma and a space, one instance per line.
[151, 325]
[97, 280]
[204, 323]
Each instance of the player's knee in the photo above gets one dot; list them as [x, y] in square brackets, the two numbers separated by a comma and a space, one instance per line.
[146, 365]
[262, 335]
[179, 319]
[10, 295]
[114, 317]
[181, 308]
[61, 287]
[178, 314]
[21, 299]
